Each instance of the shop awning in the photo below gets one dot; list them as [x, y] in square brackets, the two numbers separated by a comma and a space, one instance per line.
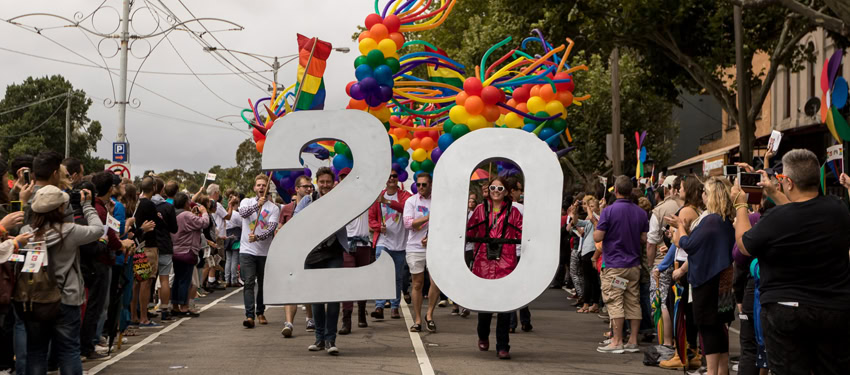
[705, 156]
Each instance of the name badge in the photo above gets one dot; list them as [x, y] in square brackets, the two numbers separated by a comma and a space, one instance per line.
[619, 282]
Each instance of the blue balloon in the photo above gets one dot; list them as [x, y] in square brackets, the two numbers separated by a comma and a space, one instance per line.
[529, 127]
[341, 162]
[383, 74]
[445, 141]
[545, 133]
[363, 71]
[402, 162]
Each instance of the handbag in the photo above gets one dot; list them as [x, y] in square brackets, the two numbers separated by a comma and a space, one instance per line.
[141, 265]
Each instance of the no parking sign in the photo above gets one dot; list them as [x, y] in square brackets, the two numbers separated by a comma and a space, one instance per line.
[121, 169]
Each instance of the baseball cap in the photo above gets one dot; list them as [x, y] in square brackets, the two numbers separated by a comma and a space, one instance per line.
[48, 198]
[668, 182]
[344, 172]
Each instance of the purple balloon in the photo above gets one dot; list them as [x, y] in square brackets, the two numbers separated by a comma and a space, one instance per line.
[308, 172]
[367, 85]
[396, 167]
[414, 189]
[435, 154]
[386, 93]
[403, 177]
[374, 100]
[357, 92]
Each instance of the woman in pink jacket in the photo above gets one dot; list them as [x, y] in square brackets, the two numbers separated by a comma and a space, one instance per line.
[495, 228]
[187, 244]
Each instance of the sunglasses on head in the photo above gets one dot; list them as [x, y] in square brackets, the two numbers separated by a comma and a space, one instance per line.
[421, 184]
[497, 188]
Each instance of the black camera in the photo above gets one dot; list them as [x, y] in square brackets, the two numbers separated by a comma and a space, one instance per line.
[74, 198]
[494, 251]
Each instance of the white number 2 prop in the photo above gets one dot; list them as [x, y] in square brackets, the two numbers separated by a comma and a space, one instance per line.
[540, 227]
[286, 280]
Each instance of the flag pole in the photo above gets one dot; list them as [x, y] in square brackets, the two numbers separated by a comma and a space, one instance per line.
[304, 76]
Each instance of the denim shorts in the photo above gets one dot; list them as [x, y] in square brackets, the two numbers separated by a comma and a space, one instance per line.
[166, 264]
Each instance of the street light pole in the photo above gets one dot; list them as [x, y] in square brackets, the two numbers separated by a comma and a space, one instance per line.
[122, 80]
[68, 126]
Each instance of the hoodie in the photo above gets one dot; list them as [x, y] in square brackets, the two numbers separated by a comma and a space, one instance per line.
[188, 237]
[63, 253]
[169, 218]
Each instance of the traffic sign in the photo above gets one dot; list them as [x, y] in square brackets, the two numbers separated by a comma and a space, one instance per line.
[121, 152]
[121, 169]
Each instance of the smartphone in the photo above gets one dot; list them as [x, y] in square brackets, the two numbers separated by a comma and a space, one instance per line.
[27, 176]
[16, 206]
[730, 170]
[749, 180]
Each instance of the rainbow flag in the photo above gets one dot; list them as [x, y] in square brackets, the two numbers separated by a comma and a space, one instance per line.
[313, 93]
[443, 75]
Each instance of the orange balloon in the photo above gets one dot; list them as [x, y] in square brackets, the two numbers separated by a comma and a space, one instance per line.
[398, 39]
[358, 104]
[415, 143]
[566, 98]
[491, 113]
[474, 105]
[461, 98]
[260, 145]
[547, 93]
[401, 133]
[535, 90]
[522, 107]
[363, 35]
[379, 32]
[428, 143]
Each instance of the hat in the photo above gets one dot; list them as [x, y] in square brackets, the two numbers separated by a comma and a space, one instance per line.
[48, 199]
[668, 182]
[344, 172]
[116, 180]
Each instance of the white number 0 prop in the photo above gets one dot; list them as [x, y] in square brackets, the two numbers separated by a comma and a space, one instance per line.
[286, 280]
[540, 234]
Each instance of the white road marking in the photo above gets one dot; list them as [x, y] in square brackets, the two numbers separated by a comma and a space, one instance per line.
[418, 347]
[149, 339]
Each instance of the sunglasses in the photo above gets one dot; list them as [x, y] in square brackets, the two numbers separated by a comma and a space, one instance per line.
[780, 176]
[393, 175]
[421, 184]
[497, 188]
[306, 186]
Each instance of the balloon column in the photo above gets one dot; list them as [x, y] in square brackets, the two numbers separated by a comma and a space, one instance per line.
[835, 92]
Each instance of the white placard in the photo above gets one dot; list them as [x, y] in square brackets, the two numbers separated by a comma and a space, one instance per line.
[37, 246]
[210, 176]
[288, 282]
[34, 261]
[708, 166]
[16, 258]
[604, 181]
[835, 153]
[113, 223]
[773, 142]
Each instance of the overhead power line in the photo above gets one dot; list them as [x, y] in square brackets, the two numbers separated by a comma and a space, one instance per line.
[39, 125]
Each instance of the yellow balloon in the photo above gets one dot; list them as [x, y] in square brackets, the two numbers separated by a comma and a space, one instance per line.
[564, 115]
[458, 114]
[535, 103]
[514, 120]
[477, 122]
[382, 114]
[501, 120]
[405, 142]
[395, 140]
[366, 45]
[387, 46]
[419, 155]
[554, 107]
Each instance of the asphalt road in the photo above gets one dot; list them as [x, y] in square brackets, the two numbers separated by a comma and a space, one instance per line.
[562, 342]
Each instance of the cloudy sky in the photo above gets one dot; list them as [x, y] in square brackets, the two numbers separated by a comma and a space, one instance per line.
[164, 134]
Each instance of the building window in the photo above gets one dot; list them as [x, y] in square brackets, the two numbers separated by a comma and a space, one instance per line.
[730, 122]
[787, 93]
[810, 68]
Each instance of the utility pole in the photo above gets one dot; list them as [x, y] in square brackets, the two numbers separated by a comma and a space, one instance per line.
[275, 67]
[745, 132]
[68, 125]
[122, 80]
[615, 112]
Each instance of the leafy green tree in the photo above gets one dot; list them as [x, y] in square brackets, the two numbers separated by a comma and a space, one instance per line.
[39, 127]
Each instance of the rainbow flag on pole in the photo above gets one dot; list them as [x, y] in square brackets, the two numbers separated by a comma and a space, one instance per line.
[443, 75]
[312, 95]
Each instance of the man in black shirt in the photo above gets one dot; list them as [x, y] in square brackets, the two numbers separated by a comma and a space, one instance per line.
[801, 246]
[165, 248]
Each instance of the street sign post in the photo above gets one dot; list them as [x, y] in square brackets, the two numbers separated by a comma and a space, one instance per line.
[121, 152]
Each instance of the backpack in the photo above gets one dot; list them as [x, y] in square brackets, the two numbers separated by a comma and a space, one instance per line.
[37, 295]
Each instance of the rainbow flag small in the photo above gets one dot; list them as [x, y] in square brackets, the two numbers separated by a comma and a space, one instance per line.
[442, 75]
[313, 93]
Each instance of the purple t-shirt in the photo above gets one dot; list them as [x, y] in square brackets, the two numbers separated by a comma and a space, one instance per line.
[623, 223]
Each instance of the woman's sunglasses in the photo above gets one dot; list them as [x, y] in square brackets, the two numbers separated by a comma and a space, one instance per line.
[497, 188]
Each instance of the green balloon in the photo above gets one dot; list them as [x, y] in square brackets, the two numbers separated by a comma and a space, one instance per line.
[398, 151]
[428, 165]
[447, 126]
[543, 114]
[527, 121]
[340, 148]
[360, 60]
[415, 166]
[375, 58]
[558, 124]
[392, 62]
[459, 130]
[387, 126]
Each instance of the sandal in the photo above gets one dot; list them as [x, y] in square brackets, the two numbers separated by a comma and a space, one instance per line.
[432, 327]
[582, 310]
[416, 328]
[593, 310]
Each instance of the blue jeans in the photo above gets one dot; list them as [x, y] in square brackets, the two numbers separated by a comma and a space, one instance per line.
[61, 335]
[231, 274]
[399, 262]
[326, 315]
[253, 270]
[20, 344]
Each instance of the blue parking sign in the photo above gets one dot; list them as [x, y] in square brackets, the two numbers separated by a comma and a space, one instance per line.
[120, 152]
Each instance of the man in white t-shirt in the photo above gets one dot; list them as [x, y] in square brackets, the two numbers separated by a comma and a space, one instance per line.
[417, 210]
[390, 236]
[259, 221]
[220, 216]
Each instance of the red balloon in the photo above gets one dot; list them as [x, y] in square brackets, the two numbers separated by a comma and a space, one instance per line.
[393, 23]
[561, 86]
[434, 134]
[472, 86]
[491, 113]
[348, 87]
[521, 94]
[372, 20]
[258, 135]
[491, 95]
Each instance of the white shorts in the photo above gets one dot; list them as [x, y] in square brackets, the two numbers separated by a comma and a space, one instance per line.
[416, 262]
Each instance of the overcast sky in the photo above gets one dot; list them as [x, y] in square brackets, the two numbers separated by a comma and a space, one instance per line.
[165, 142]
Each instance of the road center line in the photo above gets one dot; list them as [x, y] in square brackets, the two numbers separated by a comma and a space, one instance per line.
[418, 346]
[149, 339]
